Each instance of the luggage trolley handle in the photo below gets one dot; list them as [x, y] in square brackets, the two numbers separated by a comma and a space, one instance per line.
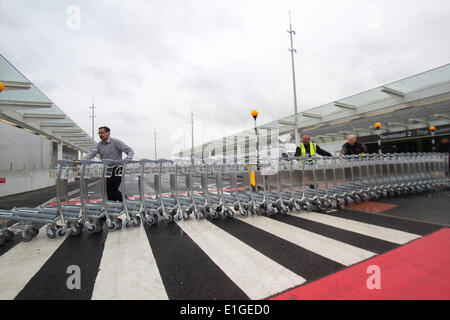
[161, 163]
[61, 181]
[108, 167]
[141, 187]
[252, 169]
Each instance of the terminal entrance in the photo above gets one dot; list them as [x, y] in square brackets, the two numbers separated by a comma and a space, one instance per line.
[403, 146]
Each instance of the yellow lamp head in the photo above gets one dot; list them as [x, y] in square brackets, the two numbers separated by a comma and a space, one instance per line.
[432, 128]
[254, 114]
[2, 86]
[377, 125]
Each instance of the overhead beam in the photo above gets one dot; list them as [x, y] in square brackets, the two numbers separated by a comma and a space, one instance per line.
[345, 106]
[44, 115]
[67, 131]
[418, 120]
[311, 115]
[28, 104]
[15, 85]
[395, 124]
[75, 135]
[444, 116]
[57, 124]
[362, 130]
[391, 91]
[286, 123]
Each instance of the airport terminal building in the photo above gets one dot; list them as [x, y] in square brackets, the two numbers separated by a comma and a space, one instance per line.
[406, 110]
[34, 133]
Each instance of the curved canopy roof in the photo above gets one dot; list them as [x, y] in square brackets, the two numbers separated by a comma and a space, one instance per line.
[415, 102]
[23, 105]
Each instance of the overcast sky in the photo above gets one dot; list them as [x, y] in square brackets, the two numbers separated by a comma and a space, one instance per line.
[149, 63]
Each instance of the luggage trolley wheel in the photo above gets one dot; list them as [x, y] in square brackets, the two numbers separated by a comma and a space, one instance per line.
[26, 236]
[168, 218]
[229, 213]
[112, 225]
[178, 217]
[34, 231]
[123, 224]
[309, 206]
[349, 201]
[334, 204]
[243, 212]
[373, 196]
[51, 232]
[60, 232]
[151, 219]
[213, 214]
[91, 227]
[284, 209]
[76, 229]
[7, 234]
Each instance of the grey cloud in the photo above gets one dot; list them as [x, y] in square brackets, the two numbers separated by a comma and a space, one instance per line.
[148, 63]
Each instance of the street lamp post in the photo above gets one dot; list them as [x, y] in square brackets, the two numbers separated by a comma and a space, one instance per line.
[255, 115]
[432, 129]
[292, 50]
[377, 127]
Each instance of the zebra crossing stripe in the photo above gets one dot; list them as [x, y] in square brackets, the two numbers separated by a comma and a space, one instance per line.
[256, 275]
[338, 251]
[128, 268]
[23, 261]
[383, 233]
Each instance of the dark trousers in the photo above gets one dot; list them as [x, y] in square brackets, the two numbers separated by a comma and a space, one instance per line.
[112, 187]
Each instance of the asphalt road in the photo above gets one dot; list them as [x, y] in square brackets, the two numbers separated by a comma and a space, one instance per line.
[242, 258]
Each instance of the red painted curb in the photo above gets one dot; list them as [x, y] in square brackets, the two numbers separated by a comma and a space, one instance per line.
[416, 271]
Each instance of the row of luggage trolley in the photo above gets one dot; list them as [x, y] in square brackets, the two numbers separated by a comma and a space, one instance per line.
[175, 190]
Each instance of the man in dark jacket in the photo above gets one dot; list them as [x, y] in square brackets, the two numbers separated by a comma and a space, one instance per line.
[307, 148]
[443, 146]
[352, 146]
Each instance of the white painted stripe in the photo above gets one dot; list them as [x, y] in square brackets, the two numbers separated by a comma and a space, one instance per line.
[386, 234]
[256, 275]
[332, 249]
[23, 261]
[128, 269]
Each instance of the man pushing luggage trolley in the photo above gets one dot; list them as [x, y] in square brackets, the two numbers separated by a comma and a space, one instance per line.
[112, 149]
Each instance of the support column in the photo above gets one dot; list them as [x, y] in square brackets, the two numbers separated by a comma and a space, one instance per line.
[60, 151]
[224, 149]
[235, 148]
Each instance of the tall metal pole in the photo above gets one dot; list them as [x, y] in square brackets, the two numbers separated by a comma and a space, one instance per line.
[156, 158]
[192, 133]
[292, 50]
[92, 116]
[257, 146]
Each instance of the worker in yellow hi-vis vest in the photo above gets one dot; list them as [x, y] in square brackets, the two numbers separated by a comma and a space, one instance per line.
[309, 149]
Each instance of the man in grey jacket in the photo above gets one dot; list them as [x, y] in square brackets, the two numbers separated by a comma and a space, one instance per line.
[111, 148]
